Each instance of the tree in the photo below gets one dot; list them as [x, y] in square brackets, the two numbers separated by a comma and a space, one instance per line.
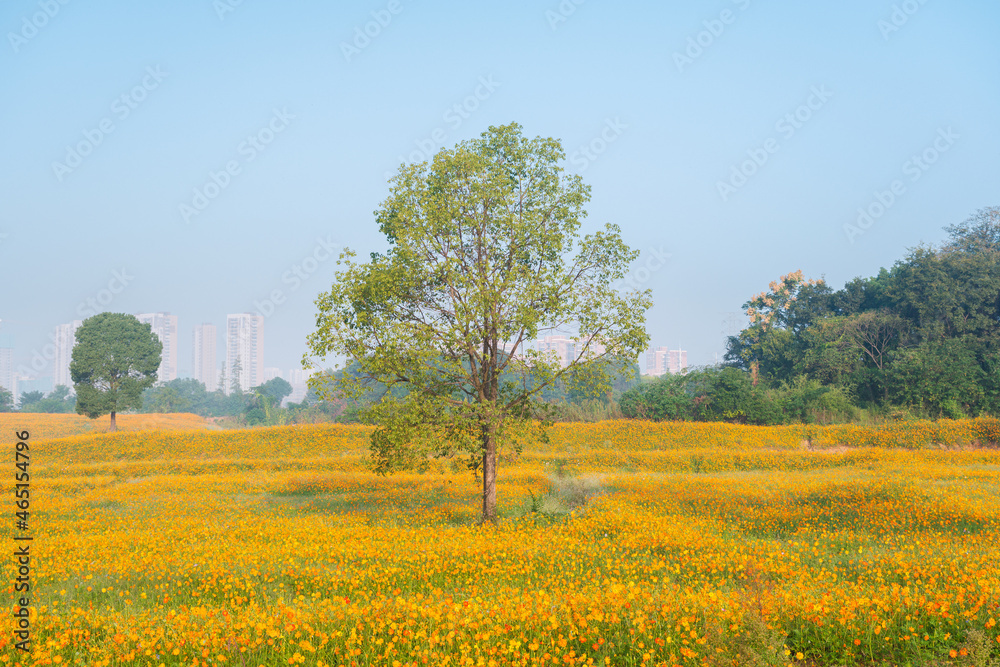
[6, 400]
[235, 382]
[29, 399]
[484, 255]
[59, 401]
[264, 403]
[115, 358]
[978, 233]
[766, 347]
[275, 390]
[875, 333]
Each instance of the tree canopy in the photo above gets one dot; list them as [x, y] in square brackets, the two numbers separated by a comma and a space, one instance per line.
[484, 256]
[115, 358]
[920, 339]
[59, 400]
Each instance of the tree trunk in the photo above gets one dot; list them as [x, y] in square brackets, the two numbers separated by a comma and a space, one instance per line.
[489, 475]
[113, 427]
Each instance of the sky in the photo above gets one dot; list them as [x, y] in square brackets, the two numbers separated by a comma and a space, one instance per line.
[206, 157]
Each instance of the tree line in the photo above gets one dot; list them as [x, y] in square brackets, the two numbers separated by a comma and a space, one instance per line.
[920, 339]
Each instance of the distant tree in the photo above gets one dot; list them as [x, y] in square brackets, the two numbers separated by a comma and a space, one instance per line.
[766, 348]
[875, 333]
[59, 401]
[980, 232]
[6, 400]
[235, 385]
[263, 403]
[166, 399]
[29, 399]
[484, 254]
[115, 358]
[275, 389]
[942, 378]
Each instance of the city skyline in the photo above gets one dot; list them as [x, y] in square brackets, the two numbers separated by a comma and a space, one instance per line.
[164, 326]
[244, 340]
[244, 351]
[726, 165]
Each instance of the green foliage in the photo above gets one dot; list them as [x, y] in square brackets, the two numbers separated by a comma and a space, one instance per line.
[727, 394]
[190, 395]
[942, 378]
[275, 390]
[30, 398]
[484, 255]
[6, 400]
[920, 338]
[263, 406]
[59, 400]
[115, 358]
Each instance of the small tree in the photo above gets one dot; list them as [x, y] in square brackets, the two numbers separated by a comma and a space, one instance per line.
[115, 358]
[6, 400]
[484, 255]
[29, 399]
[275, 390]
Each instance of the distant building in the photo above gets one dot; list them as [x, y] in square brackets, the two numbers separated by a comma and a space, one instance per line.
[271, 372]
[663, 360]
[205, 345]
[164, 325]
[563, 346]
[677, 361]
[64, 340]
[8, 379]
[595, 348]
[244, 350]
[656, 361]
[298, 378]
[26, 384]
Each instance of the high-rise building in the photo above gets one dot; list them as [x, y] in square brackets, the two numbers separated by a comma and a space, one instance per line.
[64, 340]
[563, 346]
[244, 350]
[205, 342]
[664, 360]
[8, 380]
[595, 348]
[656, 361]
[677, 361]
[299, 378]
[164, 325]
[271, 372]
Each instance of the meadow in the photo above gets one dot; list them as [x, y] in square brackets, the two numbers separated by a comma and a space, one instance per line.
[620, 543]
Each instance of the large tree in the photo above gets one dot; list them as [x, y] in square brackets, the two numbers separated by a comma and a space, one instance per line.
[485, 255]
[115, 358]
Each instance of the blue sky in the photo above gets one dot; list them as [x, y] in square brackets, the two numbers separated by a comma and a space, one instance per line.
[731, 141]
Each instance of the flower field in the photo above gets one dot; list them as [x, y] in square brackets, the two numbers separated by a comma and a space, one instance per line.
[621, 543]
[45, 426]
